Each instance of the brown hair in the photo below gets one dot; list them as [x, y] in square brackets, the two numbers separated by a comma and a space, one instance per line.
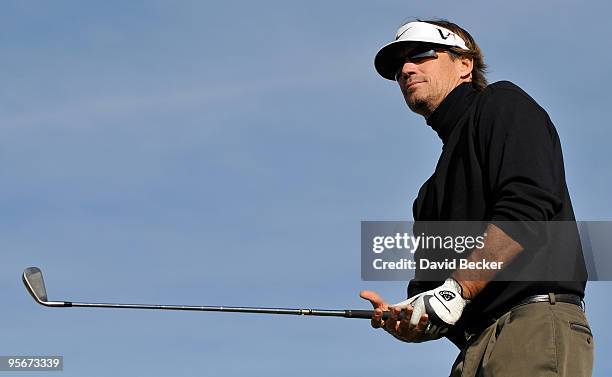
[479, 81]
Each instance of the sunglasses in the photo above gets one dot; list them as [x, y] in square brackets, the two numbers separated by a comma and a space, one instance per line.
[417, 55]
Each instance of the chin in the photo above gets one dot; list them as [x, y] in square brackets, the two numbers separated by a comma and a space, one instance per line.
[418, 105]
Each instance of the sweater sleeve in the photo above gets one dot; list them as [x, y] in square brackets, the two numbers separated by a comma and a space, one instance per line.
[519, 152]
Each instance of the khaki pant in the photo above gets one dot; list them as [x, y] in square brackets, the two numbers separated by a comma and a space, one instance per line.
[540, 339]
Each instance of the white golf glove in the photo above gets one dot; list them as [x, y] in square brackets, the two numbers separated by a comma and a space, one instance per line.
[443, 305]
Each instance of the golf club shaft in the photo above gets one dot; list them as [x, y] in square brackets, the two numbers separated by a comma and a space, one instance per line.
[348, 313]
[33, 280]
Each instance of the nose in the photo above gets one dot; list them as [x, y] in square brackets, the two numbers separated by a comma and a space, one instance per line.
[406, 70]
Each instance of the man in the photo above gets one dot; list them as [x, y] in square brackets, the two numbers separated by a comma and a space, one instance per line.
[502, 164]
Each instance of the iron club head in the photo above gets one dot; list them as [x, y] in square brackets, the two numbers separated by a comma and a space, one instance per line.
[33, 280]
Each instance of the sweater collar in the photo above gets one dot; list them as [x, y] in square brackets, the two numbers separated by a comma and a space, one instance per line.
[453, 106]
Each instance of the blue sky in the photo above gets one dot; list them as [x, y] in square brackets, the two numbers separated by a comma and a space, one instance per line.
[208, 153]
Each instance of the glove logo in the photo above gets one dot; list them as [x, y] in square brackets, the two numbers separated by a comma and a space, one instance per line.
[447, 295]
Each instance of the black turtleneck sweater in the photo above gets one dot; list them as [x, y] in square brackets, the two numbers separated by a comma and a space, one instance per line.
[501, 161]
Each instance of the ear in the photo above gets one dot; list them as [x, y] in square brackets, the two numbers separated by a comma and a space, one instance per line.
[465, 67]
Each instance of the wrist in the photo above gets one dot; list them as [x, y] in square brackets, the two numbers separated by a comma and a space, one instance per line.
[467, 289]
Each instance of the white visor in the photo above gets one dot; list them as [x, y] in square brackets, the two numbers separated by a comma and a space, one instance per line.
[388, 59]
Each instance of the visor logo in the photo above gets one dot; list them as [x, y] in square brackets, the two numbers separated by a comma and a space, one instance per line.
[402, 33]
[442, 34]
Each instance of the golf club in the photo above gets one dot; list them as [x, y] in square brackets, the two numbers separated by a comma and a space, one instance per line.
[33, 280]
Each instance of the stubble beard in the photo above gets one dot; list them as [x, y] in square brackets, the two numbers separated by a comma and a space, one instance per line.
[420, 105]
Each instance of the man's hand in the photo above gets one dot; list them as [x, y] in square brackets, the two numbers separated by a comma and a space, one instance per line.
[443, 305]
[398, 324]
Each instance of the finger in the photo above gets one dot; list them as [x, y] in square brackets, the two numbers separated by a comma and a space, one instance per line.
[406, 315]
[374, 298]
[423, 323]
[377, 318]
[391, 324]
[404, 318]
[406, 331]
[417, 312]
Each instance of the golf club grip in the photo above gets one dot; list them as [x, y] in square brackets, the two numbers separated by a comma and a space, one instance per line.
[365, 314]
